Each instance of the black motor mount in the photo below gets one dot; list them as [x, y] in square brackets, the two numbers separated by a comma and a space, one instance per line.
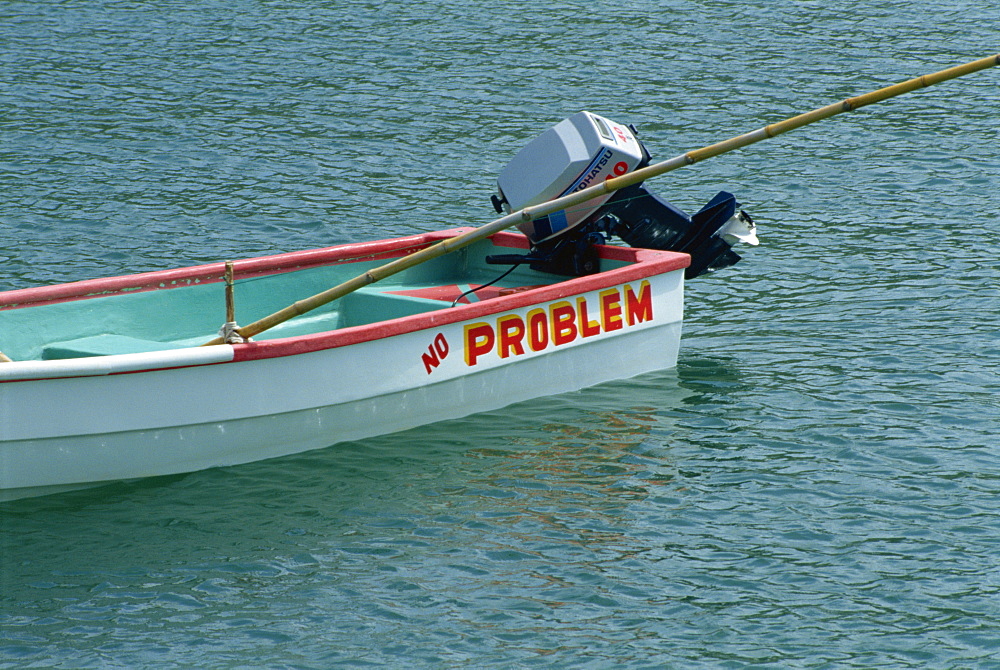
[642, 219]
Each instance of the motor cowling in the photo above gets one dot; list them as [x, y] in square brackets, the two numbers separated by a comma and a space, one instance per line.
[578, 152]
[584, 150]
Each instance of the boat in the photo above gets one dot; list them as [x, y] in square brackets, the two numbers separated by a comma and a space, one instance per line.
[108, 381]
[121, 378]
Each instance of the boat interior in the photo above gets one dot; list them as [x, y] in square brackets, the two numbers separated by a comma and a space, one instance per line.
[185, 308]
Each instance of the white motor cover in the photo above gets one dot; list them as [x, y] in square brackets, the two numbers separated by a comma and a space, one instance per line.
[578, 152]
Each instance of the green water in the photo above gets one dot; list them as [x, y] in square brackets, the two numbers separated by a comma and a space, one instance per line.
[816, 484]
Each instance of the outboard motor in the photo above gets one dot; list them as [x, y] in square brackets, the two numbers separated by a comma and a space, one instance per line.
[582, 151]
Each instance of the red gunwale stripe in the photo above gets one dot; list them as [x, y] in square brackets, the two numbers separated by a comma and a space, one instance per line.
[213, 272]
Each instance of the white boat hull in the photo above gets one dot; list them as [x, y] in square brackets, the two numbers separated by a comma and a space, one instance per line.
[192, 409]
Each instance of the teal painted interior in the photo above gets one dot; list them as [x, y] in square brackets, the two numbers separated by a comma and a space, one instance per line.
[189, 315]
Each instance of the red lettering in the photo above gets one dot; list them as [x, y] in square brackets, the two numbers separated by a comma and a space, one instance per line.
[511, 333]
[479, 340]
[441, 345]
[430, 359]
[587, 327]
[563, 323]
[538, 329]
[638, 309]
[620, 168]
[611, 310]
[435, 353]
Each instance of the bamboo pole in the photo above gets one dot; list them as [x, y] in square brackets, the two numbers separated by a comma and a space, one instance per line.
[613, 184]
